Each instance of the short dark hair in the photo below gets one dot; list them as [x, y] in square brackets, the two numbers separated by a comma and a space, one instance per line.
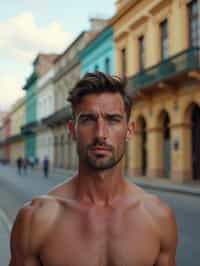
[97, 83]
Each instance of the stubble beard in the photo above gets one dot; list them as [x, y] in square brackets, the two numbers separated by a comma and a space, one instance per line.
[101, 162]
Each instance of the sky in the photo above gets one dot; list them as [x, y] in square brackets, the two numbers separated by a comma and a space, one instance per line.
[28, 27]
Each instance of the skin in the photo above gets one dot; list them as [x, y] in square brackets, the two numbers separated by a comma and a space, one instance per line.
[97, 218]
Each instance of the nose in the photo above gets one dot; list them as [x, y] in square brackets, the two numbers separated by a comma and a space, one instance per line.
[101, 129]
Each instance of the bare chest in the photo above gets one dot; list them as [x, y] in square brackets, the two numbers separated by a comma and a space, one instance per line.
[101, 241]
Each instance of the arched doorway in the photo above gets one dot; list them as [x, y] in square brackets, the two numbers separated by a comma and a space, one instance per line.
[166, 145]
[195, 142]
[143, 144]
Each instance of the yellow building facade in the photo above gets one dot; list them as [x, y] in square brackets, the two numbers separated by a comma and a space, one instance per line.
[157, 49]
[16, 140]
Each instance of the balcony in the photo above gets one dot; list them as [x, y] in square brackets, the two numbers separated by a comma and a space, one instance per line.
[29, 128]
[59, 117]
[13, 138]
[169, 71]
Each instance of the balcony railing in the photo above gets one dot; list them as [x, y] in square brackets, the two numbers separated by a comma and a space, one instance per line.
[59, 117]
[188, 60]
[29, 128]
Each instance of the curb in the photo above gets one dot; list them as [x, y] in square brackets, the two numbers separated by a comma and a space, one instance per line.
[181, 189]
[168, 188]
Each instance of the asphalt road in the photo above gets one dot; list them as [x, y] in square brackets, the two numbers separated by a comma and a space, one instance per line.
[16, 190]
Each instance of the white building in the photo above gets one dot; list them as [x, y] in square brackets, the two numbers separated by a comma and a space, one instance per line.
[45, 108]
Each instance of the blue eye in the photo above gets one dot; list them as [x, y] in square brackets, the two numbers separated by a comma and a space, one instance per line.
[114, 119]
[87, 119]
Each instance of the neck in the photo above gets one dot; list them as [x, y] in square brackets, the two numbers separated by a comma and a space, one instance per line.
[100, 187]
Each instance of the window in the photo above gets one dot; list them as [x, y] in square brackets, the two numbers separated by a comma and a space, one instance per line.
[193, 23]
[141, 53]
[164, 39]
[107, 65]
[123, 55]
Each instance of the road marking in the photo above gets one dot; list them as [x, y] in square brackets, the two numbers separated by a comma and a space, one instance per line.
[6, 221]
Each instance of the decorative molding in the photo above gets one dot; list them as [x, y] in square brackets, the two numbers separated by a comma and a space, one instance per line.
[181, 125]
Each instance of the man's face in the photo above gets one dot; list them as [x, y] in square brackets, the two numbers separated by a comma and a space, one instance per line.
[101, 130]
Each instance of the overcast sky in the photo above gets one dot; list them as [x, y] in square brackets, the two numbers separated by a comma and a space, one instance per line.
[28, 27]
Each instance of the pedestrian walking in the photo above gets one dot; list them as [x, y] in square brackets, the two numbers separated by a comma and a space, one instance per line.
[32, 162]
[46, 167]
[19, 165]
[25, 165]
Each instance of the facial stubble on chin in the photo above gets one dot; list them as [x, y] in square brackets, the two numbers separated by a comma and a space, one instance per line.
[101, 162]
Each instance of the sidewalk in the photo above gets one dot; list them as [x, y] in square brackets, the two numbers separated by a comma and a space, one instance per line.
[149, 183]
[193, 188]
[165, 185]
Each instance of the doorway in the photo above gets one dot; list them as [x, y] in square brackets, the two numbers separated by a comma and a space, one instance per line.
[196, 142]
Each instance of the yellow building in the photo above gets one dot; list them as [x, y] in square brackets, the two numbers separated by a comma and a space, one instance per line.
[157, 48]
[16, 140]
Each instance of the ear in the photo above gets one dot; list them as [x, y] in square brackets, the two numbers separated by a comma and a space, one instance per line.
[71, 128]
[130, 130]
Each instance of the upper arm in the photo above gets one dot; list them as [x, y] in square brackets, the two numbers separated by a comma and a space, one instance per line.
[168, 232]
[23, 252]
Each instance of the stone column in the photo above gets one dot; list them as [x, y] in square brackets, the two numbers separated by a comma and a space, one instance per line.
[118, 61]
[132, 55]
[136, 156]
[135, 55]
[181, 167]
[152, 44]
[130, 158]
[178, 27]
[155, 152]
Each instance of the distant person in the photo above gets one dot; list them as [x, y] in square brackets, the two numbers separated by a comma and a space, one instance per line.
[19, 165]
[32, 161]
[25, 165]
[46, 167]
[36, 162]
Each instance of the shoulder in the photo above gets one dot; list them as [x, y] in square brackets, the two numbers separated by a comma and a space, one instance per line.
[158, 213]
[158, 209]
[163, 218]
[34, 221]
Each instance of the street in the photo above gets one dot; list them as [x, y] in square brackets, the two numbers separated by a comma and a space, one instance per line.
[16, 190]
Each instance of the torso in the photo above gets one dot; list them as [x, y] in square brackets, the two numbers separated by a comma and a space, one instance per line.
[125, 235]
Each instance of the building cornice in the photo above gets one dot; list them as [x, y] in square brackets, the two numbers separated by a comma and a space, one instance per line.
[33, 77]
[123, 10]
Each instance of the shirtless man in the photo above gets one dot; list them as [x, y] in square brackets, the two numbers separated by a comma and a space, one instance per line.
[97, 218]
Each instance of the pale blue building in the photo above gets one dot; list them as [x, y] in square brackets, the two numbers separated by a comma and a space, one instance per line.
[99, 54]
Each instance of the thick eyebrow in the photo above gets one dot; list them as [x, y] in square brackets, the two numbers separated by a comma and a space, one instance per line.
[82, 115]
[114, 115]
[94, 115]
